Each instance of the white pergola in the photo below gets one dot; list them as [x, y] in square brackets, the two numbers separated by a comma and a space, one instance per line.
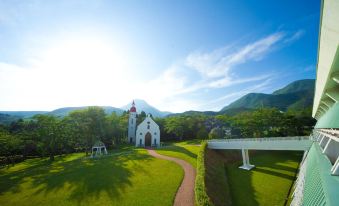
[97, 148]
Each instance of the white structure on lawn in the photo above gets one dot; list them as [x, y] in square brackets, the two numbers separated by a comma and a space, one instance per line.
[132, 124]
[148, 133]
[98, 148]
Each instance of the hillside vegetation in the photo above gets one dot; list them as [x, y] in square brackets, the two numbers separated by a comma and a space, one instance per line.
[296, 95]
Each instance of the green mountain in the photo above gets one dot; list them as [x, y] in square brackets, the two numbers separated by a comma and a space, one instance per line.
[193, 113]
[61, 112]
[22, 114]
[296, 95]
[297, 86]
[6, 117]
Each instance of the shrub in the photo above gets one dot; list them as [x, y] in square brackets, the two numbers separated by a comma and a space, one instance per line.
[216, 133]
[202, 133]
[201, 197]
[11, 160]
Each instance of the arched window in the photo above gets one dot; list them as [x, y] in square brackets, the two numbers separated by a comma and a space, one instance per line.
[148, 126]
[140, 142]
[155, 141]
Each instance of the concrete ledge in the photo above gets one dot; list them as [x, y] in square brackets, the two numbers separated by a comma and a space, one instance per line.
[247, 167]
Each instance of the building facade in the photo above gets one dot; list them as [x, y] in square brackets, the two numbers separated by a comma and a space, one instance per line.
[318, 178]
[148, 133]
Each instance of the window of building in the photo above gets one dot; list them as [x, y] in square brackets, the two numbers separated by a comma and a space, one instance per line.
[148, 126]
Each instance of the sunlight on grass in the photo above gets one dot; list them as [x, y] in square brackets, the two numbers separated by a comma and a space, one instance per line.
[186, 150]
[135, 178]
[268, 183]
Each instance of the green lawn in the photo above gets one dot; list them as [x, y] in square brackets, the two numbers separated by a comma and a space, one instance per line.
[268, 183]
[186, 150]
[129, 178]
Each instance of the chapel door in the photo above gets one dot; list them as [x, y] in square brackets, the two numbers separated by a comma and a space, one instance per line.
[148, 139]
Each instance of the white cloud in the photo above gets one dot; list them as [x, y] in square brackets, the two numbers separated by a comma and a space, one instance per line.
[211, 70]
[217, 63]
[297, 35]
[222, 101]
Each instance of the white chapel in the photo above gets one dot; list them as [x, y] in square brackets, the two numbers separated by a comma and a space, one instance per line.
[146, 134]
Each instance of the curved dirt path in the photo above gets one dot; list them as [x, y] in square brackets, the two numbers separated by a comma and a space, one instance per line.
[185, 193]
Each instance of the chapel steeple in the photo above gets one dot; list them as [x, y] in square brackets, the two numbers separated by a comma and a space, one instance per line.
[132, 123]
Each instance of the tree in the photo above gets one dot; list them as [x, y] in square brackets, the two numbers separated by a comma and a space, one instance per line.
[202, 133]
[49, 132]
[141, 117]
[89, 126]
[216, 133]
[116, 128]
[175, 125]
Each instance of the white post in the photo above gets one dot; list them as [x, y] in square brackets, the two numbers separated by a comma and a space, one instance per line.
[335, 168]
[246, 161]
[243, 157]
[326, 146]
[247, 158]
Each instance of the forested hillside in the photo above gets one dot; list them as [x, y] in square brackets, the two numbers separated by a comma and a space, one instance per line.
[296, 95]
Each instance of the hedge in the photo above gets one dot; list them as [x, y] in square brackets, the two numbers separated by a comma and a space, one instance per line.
[201, 197]
[11, 160]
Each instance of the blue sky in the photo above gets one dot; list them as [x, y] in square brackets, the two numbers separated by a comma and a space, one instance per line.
[176, 55]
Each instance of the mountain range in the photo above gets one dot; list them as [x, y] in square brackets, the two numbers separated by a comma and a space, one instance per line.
[296, 95]
[8, 116]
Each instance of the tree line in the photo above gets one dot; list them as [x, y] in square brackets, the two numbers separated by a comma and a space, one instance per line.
[47, 136]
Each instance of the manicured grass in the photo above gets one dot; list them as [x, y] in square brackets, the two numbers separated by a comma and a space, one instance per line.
[133, 178]
[268, 183]
[186, 150]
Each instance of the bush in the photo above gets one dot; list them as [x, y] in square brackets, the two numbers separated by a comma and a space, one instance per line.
[216, 133]
[202, 133]
[201, 197]
[11, 160]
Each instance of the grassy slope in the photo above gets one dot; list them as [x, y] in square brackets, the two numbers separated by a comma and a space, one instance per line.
[131, 179]
[268, 183]
[186, 150]
[216, 180]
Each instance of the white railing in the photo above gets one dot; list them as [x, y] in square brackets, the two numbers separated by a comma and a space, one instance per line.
[328, 140]
[299, 143]
[261, 139]
[331, 133]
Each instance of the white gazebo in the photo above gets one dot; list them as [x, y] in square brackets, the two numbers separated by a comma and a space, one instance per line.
[97, 148]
